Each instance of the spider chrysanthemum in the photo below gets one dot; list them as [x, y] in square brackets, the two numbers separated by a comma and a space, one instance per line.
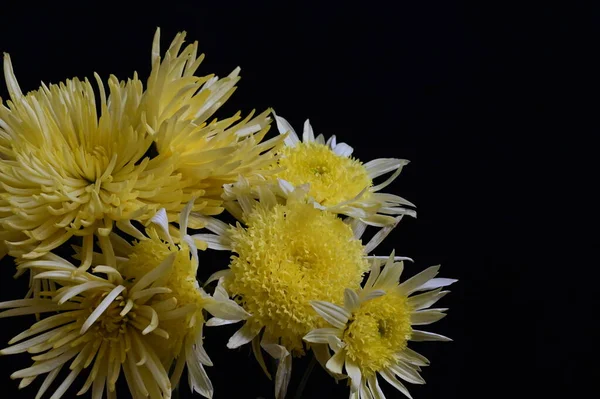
[67, 169]
[75, 161]
[144, 318]
[178, 107]
[339, 182]
[288, 253]
[104, 327]
[370, 332]
[185, 345]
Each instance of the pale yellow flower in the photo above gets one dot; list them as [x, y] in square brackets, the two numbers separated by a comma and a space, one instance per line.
[338, 182]
[178, 107]
[185, 345]
[68, 170]
[103, 325]
[370, 332]
[288, 254]
[145, 317]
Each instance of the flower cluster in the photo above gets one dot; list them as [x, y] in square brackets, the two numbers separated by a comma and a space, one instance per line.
[111, 192]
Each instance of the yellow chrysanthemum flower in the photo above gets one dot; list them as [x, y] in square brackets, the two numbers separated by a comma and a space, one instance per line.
[146, 315]
[288, 254]
[104, 325]
[338, 182]
[176, 108]
[67, 169]
[370, 332]
[185, 344]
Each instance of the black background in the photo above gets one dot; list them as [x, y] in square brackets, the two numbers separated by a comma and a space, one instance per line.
[474, 87]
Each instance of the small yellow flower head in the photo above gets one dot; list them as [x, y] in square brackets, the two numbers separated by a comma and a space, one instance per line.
[185, 344]
[337, 181]
[333, 179]
[379, 329]
[370, 333]
[146, 256]
[286, 256]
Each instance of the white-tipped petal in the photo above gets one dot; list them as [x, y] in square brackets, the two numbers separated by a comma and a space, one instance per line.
[414, 283]
[374, 387]
[406, 372]
[226, 309]
[343, 150]
[284, 127]
[215, 321]
[418, 336]
[354, 373]
[308, 136]
[351, 301]
[372, 294]
[184, 215]
[381, 235]
[381, 166]
[436, 283]
[389, 276]
[242, 336]
[216, 242]
[424, 317]
[321, 335]
[410, 356]
[336, 363]
[425, 300]
[283, 376]
[391, 378]
[256, 349]
[162, 221]
[333, 314]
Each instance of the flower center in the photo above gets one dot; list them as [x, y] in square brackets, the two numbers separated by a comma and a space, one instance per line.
[286, 257]
[181, 280]
[110, 326]
[333, 178]
[378, 330]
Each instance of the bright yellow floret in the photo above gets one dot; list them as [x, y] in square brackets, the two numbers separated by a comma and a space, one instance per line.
[378, 330]
[332, 178]
[287, 256]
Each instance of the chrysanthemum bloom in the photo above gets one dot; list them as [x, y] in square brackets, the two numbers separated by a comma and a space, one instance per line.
[370, 332]
[338, 182]
[67, 169]
[143, 316]
[288, 254]
[185, 344]
[103, 325]
[176, 108]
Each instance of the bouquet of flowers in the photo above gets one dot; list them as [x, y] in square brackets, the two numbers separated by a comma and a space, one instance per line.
[112, 191]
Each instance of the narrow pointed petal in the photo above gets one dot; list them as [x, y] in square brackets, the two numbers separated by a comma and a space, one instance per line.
[418, 336]
[321, 335]
[333, 314]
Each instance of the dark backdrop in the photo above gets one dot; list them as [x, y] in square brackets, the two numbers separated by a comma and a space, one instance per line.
[468, 85]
